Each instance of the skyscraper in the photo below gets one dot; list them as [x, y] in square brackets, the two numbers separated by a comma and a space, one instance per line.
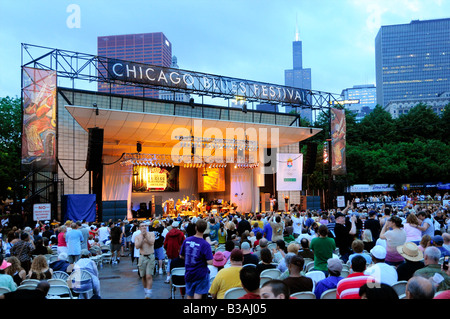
[298, 76]
[365, 94]
[149, 48]
[412, 60]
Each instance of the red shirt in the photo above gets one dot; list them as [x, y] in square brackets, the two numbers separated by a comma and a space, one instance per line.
[250, 295]
[348, 288]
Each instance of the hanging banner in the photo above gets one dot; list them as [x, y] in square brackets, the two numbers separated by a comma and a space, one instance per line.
[289, 172]
[39, 120]
[338, 142]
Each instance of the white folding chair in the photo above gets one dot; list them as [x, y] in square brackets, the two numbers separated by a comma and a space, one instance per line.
[273, 273]
[85, 280]
[176, 272]
[263, 280]
[345, 273]
[59, 292]
[400, 287]
[309, 266]
[57, 282]
[4, 290]
[29, 287]
[234, 293]
[60, 275]
[303, 295]
[315, 275]
[106, 255]
[329, 294]
[33, 282]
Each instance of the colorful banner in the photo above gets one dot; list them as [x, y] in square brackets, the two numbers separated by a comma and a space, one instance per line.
[289, 172]
[338, 142]
[39, 120]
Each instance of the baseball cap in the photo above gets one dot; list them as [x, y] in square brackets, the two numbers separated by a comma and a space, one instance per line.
[379, 252]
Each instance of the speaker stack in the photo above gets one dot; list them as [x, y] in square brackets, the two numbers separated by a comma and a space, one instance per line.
[95, 149]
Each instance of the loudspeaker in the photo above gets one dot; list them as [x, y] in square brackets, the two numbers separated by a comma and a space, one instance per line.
[95, 149]
[311, 154]
[157, 210]
[138, 147]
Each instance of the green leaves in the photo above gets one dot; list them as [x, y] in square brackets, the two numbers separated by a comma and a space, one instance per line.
[413, 148]
[10, 144]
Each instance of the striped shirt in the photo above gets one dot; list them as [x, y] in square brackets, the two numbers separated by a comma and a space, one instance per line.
[348, 288]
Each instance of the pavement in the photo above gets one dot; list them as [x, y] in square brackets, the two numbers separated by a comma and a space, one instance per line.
[121, 281]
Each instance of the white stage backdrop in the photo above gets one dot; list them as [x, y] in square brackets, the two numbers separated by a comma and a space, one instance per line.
[117, 181]
[241, 190]
[289, 171]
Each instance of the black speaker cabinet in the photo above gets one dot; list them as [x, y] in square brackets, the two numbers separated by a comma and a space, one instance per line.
[95, 149]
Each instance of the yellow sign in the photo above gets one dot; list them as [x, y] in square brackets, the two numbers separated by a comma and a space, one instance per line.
[156, 180]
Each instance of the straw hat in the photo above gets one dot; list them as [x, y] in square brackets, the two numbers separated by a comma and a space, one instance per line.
[410, 251]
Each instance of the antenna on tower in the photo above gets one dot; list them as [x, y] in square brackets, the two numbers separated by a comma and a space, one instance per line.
[297, 33]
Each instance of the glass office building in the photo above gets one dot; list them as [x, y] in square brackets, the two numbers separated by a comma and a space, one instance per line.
[366, 97]
[412, 60]
[150, 48]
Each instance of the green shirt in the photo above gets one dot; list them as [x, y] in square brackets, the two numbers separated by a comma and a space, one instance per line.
[323, 248]
[429, 272]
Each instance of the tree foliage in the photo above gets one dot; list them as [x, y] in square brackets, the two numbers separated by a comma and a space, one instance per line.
[413, 148]
[10, 136]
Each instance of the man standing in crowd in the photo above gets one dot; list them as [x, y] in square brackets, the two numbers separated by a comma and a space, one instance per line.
[158, 229]
[22, 250]
[145, 243]
[74, 239]
[116, 243]
[172, 244]
[344, 231]
[197, 254]
[373, 224]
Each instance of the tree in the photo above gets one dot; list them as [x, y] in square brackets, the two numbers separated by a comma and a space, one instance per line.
[444, 123]
[10, 145]
[377, 127]
[421, 122]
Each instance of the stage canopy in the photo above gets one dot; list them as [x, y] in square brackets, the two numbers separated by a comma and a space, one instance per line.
[123, 129]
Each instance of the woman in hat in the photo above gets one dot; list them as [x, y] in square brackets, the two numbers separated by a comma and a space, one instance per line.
[5, 279]
[395, 236]
[15, 270]
[219, 261]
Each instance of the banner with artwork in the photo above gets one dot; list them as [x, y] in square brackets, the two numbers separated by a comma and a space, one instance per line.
[338, 142]
[39, 120]
[289, 171]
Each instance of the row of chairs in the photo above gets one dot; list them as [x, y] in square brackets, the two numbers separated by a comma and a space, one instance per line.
[60, 284]
[236, 293]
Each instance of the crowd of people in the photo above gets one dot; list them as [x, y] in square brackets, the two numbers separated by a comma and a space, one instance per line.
[379, 247]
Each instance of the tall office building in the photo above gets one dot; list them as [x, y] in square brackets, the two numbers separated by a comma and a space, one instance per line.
[298, 76]
[412, 60]
[149, 48]
[366, 97]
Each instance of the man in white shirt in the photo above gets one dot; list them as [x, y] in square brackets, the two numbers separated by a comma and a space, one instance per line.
[297, 222]
[382, 272]
[103, 233]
